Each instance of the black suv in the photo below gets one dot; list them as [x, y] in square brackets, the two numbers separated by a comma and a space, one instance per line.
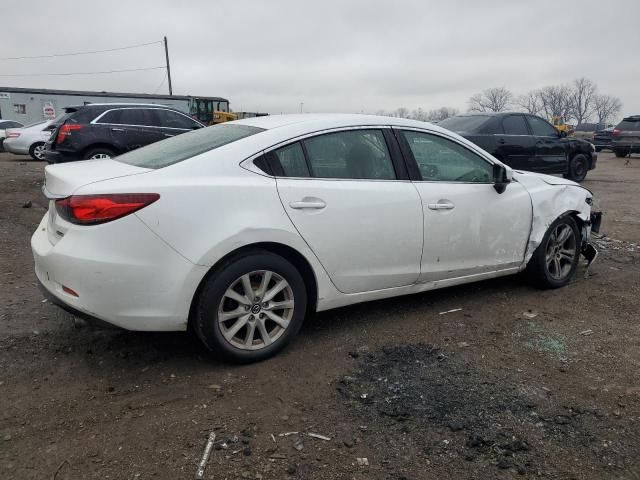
[107, 130]
[526, 142]
[626, 136]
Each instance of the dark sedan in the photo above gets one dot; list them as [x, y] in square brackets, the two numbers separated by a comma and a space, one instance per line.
[526, 142]
[602, 139]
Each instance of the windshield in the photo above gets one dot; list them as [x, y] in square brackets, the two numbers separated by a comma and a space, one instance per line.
[187, 145]
[464, 124]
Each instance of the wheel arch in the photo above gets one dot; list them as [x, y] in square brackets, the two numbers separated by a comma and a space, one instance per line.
[93, 146]
[285, 251]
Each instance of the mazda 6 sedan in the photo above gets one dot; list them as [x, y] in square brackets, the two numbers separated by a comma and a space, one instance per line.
[241, 230]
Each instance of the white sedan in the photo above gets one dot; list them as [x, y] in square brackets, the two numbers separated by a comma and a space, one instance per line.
[241, 230]
[29, 140]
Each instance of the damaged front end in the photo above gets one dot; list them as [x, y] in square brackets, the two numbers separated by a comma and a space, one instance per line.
[592, 226]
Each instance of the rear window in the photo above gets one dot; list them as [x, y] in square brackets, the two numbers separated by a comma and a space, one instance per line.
[464, 124]
[181, 147]
[629, 124]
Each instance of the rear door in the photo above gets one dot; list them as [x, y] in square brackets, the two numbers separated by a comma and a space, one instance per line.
[469, 228]
[130, 128]
[515, 146]
[354, 206]
[551, 149]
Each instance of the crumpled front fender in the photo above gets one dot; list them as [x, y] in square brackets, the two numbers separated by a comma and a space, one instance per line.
[550, 202]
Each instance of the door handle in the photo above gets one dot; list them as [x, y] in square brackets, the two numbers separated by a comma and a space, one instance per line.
[315, 204]
[117, 129]
[441, 206]
[501, 141]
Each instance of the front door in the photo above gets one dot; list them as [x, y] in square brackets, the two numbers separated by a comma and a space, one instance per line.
[469, 228]
[342, 194]
[551, 155]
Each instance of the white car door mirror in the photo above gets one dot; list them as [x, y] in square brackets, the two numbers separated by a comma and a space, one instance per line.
[501, 177]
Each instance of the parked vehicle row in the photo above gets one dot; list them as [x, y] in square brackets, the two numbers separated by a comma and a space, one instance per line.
[106, 130]
[243, 229]
[526, 142]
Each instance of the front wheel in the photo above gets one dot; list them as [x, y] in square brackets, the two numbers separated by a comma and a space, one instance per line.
[554, 262]
[251, 307]
[578, 167]
[37, 151]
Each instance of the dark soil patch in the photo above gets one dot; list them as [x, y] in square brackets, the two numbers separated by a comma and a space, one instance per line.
[448, 410]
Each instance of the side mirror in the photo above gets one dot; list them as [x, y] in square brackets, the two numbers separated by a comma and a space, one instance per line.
[501, 177]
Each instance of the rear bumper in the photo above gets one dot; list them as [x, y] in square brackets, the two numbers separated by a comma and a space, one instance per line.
[60, 156]
[629, 147]
[137, 284]
[13, 145]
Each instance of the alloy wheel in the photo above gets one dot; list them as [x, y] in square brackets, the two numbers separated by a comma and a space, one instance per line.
[255, 310]
[99, 156]
[38, 152]
[561, 251]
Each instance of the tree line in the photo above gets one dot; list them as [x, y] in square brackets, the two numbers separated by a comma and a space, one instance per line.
[579, 101]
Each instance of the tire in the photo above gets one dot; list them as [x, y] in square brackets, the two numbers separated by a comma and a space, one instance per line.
[99, 153]
[621, 153]
[578, 168]
[598, 149]
[545, 261]
[241, 337]
[37, 151]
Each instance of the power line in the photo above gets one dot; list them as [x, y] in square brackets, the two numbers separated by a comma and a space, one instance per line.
[78, 73]
[83, 53]
[161, 83]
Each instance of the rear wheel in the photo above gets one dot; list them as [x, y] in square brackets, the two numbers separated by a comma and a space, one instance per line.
[99, 153]
[251, 307]
[621, 153]
[598, 149]
[37, 151]
[554, 262]
[578, 167]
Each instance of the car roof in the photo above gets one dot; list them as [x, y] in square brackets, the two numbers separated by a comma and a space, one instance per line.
[331, 120]
[117, 105]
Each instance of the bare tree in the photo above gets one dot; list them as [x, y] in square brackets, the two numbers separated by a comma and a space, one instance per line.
[418, 114]
[441, 113]
[606, 107]
[530, 102]
[400, 112]
[556, 101]
[495, 99]
[583, 95]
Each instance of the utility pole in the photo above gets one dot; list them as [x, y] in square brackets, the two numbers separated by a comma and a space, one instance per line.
[166, 54]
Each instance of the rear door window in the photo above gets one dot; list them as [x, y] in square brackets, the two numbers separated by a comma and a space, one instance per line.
[354, 154]
[290, 161]
[515, 125]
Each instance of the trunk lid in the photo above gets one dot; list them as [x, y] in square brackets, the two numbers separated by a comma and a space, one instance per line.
[61, 180]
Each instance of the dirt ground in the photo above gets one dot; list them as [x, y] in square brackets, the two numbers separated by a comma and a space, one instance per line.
[518, 383]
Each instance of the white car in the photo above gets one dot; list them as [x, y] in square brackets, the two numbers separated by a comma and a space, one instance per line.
[4, 125]
[29, 140]
[240, 230]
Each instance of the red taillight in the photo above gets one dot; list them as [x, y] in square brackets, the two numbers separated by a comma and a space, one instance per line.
[616, 132]
[95, 209]
[13, 135]
[65, 131]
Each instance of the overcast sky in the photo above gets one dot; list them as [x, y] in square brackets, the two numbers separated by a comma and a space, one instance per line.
[333, 55]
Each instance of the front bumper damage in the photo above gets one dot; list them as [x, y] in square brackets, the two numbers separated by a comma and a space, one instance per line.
[588, 250]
